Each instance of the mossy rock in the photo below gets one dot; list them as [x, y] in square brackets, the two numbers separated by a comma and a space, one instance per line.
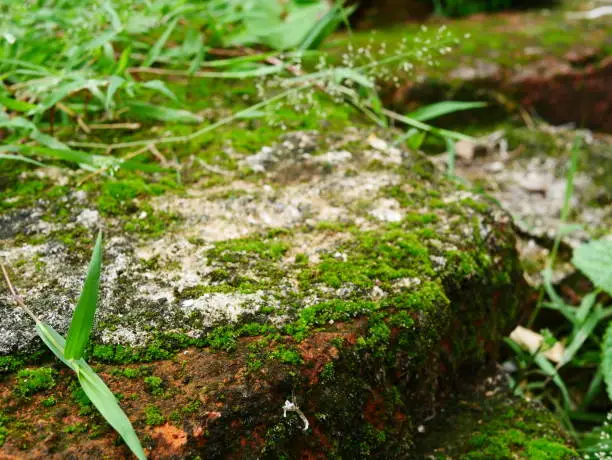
[331, 270]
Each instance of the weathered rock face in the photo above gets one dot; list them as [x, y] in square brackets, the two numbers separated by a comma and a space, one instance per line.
[331, 270]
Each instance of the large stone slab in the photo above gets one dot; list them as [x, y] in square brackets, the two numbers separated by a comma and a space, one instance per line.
[330, 270]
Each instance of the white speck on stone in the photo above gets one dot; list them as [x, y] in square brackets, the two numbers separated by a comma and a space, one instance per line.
[80, 196]
[88, 218]
[334, 157]
[406, 283]
[377, 143]
[377, 293]
[439, 262]
[387, 210]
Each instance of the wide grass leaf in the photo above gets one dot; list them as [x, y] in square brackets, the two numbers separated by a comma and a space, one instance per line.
[594, 259]
[160, 113]
[443, 108]
[83, 318]
[16, 104]
[104, 400]
[606, 360]
[8, 156]
[95, 389]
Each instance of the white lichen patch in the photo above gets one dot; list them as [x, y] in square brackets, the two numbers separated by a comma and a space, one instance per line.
[223, 308]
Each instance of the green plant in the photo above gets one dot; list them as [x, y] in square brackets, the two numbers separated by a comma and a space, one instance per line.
[574, 353]
[71, 351]
[65, 62]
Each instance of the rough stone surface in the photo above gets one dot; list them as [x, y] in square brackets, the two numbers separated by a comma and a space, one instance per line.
[339, 273]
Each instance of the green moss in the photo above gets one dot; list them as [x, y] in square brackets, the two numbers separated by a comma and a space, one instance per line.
[327, 373]
[373, 256]
[240, 249]
[22, 193]
[287, 355]
[154, 385]
[153, 416]
[543, 449]
[10, 363]
[149, 222]
[79, 427]
[79, 396]
[3, 428]
[131, 373]
[192, 407]
[32, 381]
[49, 402]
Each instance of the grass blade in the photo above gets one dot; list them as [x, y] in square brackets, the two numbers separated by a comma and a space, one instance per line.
[83, 318]
[55, 342]
[582, 333]
[95, 389]
[106, 403]
[546, 367]
[16, 104]
[443, 108]
[8, 156]
[160, 113]
[157, 48]
[325, 26]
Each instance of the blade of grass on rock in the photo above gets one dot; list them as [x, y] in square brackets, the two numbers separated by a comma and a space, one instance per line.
[83, 318]
[106, 403]
[95, 389]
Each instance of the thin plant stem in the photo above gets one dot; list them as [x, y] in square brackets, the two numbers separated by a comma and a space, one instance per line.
[569, 191]
[16, 297]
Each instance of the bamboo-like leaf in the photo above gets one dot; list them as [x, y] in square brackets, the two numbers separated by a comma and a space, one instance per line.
[55, 342]
[16, 104]
[8, 156]
[106, 403]
[432, 111]
[83, 318]
[95, 389]
[582, 332]
[156, 112]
